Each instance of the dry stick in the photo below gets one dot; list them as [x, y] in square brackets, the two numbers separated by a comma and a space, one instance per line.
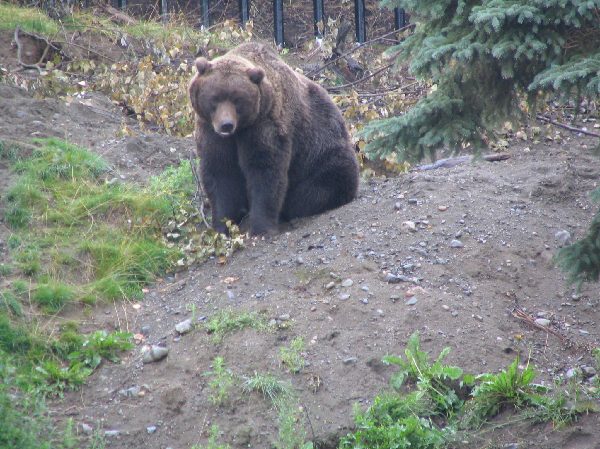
[19, 49]
[333, 61]
[565, 126]
[364, 78]
[199, 195]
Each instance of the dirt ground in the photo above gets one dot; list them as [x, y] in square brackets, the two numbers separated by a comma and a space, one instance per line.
[504, 215]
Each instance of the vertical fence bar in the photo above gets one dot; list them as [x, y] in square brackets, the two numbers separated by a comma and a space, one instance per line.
[400, 19]
[278, 19]
[122, 4]
[244, 11]
[205, 13]
[359, 18]
[319, 14]
[164, 11]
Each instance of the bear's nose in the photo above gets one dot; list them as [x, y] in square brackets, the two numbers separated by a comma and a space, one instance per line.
[226, 128]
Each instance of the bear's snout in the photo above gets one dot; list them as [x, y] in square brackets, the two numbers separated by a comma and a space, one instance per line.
[225, 119]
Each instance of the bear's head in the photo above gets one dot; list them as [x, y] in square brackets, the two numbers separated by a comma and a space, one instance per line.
[228, 93]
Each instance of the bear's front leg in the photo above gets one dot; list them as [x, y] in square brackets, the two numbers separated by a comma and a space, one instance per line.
[222, 179]
[265, 167]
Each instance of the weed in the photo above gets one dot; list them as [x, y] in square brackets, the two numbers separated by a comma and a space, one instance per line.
[227, 321]
[5, 269]
[511, 387]
[20, 287]
[292, 357]
[272, 388]
[10, 303]
[291, 429]
[212, 440]
[53, 297]
[221, 381]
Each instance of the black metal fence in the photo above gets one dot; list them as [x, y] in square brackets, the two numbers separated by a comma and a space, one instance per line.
[360, 16]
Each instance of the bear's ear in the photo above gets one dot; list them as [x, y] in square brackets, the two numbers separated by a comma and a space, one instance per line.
[256, 74]
[202, 65]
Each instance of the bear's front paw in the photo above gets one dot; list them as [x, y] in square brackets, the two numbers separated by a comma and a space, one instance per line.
[263, 229]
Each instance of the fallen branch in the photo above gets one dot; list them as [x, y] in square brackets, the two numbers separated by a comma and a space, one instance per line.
[343, 55]
[20, 49]
[565, 126]
[454, 161]
[358, 81]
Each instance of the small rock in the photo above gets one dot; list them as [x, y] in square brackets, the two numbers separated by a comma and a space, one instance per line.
[563, 238]
[365, 288]
[364, 301]
[584, 332]
[478, 317]
[588, 371]
[545, 322]
[151, 429]
[411, 301]
[350, 360]
[347, 283]
[184, 327]
[455, 243]
[442, 208]
[330, 285]
[445, 307]
[380, 312]
[112, 433]
[131, 391]
[230, 294]
[344, 296]
[394, 297]
[272, 322]
[284, 317]
[86, 428]
[571, 372]
[396, 279]
[413, 201]
[154, 353]
[398, 205]
[299, 260]
[145, 331]
[409, 226]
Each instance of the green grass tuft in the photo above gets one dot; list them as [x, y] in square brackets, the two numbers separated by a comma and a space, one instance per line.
[227, 321]
[53, 297]
[28, 19]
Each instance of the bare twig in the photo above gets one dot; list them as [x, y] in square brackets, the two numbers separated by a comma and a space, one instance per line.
[376, 39]
[358, 81]
[20, 48]
[199, 195]
[454, 161]
[565, 126]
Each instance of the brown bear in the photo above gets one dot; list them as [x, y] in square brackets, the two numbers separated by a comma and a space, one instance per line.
[271, 142]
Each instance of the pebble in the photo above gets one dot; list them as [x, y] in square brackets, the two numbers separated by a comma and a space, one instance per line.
[154, 353]
[409, 226]
[299, 260]
[184, 327]
[344, 296]
[442, 208]
[394, 297]
[588, 371]
[584, 332]
[349, 360]
[112, 433]
[571, 372]
[413, 201]
[365, 288]
[131, 392]
[272, 322]
[396, 279]
[445, 307]
[145, 330]
[411, 301]
[398, 205]
[478, 317]
[284, 317]
[380, 312]
[347, 283]
[455, 243]
[86, 428]
[545, 322]
[364, 301]
[330, 285]
[563, 237]
[151, 429]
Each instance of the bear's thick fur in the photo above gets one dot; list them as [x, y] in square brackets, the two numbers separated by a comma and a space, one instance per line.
[271, 142]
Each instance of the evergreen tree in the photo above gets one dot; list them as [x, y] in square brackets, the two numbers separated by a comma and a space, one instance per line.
[484, 58]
